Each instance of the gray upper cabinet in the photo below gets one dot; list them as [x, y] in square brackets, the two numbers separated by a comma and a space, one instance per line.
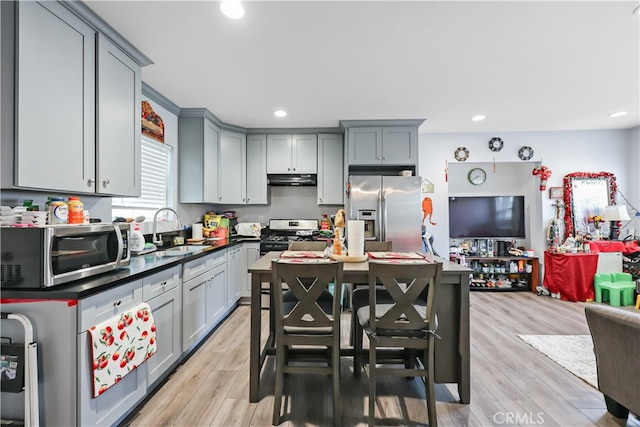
[198, 160]
[257, 170]
[365, 145]
[330, 169]
[292, 153]
[55, 108]
[383, 145]
[118, 144]
[77, 106]
[399, 145]
[232, 168]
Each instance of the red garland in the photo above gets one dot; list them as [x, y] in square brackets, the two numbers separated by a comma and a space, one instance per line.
[613, 191]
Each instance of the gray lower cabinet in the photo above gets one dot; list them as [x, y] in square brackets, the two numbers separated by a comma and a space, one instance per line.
[187, 302]
[330, 169]
[109, 407]
[203, 296]
[237, 268]
[251, 255]
[163, 292]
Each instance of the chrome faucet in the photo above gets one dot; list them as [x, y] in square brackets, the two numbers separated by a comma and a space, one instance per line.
[157, 238]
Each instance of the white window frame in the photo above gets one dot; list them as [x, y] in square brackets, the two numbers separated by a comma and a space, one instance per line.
[153, 179]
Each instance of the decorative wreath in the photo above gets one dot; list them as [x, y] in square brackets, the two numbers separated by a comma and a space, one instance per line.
[496, 144]
[525, 153]
[461, 154]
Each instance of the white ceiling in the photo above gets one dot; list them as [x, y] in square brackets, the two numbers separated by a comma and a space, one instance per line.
[526, 66]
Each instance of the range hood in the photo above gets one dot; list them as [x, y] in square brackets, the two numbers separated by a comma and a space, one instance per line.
[292, 179]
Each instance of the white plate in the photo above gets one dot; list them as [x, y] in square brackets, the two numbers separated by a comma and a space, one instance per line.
[16, 209]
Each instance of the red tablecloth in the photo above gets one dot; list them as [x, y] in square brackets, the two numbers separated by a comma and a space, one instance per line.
[626, 247]
[571, 275]
[606, 246]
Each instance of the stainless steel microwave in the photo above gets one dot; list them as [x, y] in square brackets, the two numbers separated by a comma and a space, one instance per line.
[37, 257]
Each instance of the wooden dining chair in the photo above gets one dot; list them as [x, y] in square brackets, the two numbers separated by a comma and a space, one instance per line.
[360, 294]
[308, 321]
[406, 321]
[307, 245]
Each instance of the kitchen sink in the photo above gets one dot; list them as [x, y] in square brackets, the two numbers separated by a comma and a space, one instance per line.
[182, 250]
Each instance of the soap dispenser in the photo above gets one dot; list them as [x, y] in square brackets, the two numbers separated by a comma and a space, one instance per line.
[137, 239]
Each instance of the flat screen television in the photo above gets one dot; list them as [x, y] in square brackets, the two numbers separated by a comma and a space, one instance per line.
[486, 217]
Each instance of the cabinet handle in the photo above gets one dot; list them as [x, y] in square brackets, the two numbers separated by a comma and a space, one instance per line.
[105, 182]
[90, 182]
[320, 200]
[385, 158]
[289, 169]
[378, 158]
[117, 303]
[163, 283]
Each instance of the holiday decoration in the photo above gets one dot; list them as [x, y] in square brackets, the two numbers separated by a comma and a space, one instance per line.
[544, 173]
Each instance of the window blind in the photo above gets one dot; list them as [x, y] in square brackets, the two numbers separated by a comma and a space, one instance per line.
[154, 178]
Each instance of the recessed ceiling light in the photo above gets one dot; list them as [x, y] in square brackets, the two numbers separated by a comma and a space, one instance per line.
[478, 118]
[280, 113]
[617, 114]
[232, 9]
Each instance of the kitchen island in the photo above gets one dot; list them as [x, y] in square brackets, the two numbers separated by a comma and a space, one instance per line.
[452, 351]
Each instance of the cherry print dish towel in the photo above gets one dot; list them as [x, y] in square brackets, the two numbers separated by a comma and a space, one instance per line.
[120, 344]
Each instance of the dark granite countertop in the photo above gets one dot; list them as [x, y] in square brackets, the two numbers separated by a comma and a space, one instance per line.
[140, 266]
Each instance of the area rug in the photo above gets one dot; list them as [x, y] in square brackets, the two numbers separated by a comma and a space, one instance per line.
[572, 352]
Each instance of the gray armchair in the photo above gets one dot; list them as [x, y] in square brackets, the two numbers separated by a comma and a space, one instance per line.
[616, 341]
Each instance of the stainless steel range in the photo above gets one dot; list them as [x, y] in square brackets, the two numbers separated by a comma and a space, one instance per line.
[281, 231]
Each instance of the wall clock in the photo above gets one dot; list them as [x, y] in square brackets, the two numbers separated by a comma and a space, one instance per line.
[525, 153]
[461, 154]
[496, 144]
[477, 176]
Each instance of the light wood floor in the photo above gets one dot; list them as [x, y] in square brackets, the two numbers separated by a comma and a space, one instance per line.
[511, 383]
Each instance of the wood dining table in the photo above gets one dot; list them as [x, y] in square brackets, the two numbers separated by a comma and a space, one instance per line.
[452, 350]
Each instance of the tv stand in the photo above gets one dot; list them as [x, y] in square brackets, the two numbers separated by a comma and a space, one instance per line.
[497, 274]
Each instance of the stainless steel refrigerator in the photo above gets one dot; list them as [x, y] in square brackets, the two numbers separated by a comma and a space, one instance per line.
[390, 206]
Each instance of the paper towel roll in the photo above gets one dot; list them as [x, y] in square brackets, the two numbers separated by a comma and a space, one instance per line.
[196, 231]
[355, 238]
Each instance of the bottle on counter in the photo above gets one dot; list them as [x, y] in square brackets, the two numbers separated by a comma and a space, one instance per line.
[325, 222]
[76, 211]
[337, 245]
[58, 211]
[137, 239]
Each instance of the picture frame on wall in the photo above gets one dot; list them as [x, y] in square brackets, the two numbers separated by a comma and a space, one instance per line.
[555, 192]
